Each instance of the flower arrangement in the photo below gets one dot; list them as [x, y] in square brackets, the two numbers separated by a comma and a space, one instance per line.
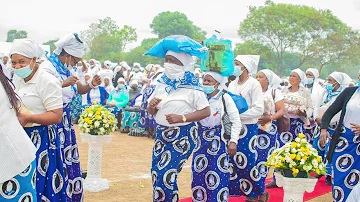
[97, 120]
[297, 156]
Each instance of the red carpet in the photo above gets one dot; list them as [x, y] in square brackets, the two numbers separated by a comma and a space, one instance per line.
[276, 195]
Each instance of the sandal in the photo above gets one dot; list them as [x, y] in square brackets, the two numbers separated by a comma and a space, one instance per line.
[266, 197]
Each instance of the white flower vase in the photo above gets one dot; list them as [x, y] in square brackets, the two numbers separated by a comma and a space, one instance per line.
[93, 181]
[294, 188]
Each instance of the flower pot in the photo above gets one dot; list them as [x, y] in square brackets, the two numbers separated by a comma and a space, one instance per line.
[294, 188]
[288, 173]
[94, 182]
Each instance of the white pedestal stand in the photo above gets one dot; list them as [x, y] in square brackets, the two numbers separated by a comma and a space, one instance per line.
[93, 181]
[294, 188]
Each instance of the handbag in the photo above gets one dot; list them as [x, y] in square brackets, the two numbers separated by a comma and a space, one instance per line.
[284, 120]
[227, 122]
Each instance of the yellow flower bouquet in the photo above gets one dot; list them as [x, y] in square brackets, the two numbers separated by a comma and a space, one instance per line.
[97, 120]
[297, 157]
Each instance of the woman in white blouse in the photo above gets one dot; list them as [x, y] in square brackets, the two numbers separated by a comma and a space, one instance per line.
[177, 103]
[268, 137]
[210, 170]
[299, 105]
[244, 175]
[41, 107]
[18, 165]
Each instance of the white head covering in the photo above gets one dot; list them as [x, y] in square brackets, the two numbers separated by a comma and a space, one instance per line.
[149, 67]
[121, 80]
[221, 79]
[27, 48]
[302, 76]
[133, 82]
[136, 65]
[108, 64]
[186, 59]
[315, 72]
[342, 78]
[274, 80]
[250, 62]
[71, 45]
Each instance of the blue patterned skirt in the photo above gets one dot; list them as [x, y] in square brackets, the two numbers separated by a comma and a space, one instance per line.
[172, 148]
[70, 153]
[130, 119]
[346, 165]
[75, 106]
[210, 167]
[21, 187]
[50, 176]
[147, 120]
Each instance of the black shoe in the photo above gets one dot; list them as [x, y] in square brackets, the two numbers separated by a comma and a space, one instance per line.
[271, 185]
[328, 180]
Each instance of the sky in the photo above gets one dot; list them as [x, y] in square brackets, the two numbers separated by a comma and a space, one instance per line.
[45, 21]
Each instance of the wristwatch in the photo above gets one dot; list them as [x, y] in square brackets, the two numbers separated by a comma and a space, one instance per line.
[183, 118]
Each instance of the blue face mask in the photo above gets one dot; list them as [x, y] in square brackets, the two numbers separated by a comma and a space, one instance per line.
[329, 87]
[208, 89]
[237, 71]
[122, 86]
[23, 72]
[310, 80]
[136, 70]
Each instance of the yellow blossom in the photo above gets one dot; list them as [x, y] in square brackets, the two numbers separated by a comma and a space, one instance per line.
[298, 157]
[97, 117]
[317, 171]
[110, 121]
[305, 158]
[319, 159]
[295, 171]
[282, 159]
[301, 135]
[293, 144]
[95, 103]
[302, 149]
[292, 156]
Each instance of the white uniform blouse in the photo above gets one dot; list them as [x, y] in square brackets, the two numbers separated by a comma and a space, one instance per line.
[16, 149]
[252, 92]
[180, 101]
[353, 110]
[217, 112]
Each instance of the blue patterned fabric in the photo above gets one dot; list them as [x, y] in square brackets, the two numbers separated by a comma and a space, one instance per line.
[210, 166]
[346, 165]
[114, 110]
[331, 94]
[296, 127]
[147, 120]
[75, 106]
[21, 187]
[70, 154]
[244, 175]
[50, 177]
[172, 148]
[130, 119]
[189, 79]
[266, 144]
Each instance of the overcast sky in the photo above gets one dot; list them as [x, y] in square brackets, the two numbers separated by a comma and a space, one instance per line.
[44, 20]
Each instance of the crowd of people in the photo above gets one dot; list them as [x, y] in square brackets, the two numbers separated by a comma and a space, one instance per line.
[185, 110]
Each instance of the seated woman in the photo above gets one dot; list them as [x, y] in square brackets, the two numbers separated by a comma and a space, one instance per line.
[108, 85]
[130, 116]
[118, 99]
[96, 95]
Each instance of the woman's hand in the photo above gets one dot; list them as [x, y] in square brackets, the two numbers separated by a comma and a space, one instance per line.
[301, 113]
[111, 105]
[70, 81]
[355, 128]
[96, 81]
[154, 102]
[318, 121]
[173, 118]
[324, 135]
[264, 119]
[24, 119]
[231, 150]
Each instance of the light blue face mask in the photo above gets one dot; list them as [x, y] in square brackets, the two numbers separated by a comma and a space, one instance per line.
[310, 80]
[329, 87]
[208, 89]
[237, 71]
[23, 72]
[122, 86]
[136, 70]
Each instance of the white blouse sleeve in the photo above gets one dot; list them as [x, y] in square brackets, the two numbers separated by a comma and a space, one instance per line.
[51, 94]
[199, 100]
[234, 116]
[278, 96]
[257, 108]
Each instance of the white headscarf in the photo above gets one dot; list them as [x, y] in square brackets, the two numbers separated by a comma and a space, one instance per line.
[133, 82]
[342, 78]
[314, 72]
[71, 45]
[250, 62]
[221, 79]
[149, 67]
[274, 80]
[27, 48]
[108, 64]
[136, 65]
[186, 59]
[302, 76]
[121, 80]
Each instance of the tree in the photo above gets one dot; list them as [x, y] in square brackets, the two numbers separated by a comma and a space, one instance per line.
[137, 54]
[51, 44]
[287, 28]
[176, 23]
[104, 40]
[14, 34]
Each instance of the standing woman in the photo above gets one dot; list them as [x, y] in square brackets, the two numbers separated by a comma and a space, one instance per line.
[298, 117]
[244, 175]
[41, 107]
[18, 165]
[210, 171]
[344, 147]
[69, 51]
[177, 103]
[267, 139]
